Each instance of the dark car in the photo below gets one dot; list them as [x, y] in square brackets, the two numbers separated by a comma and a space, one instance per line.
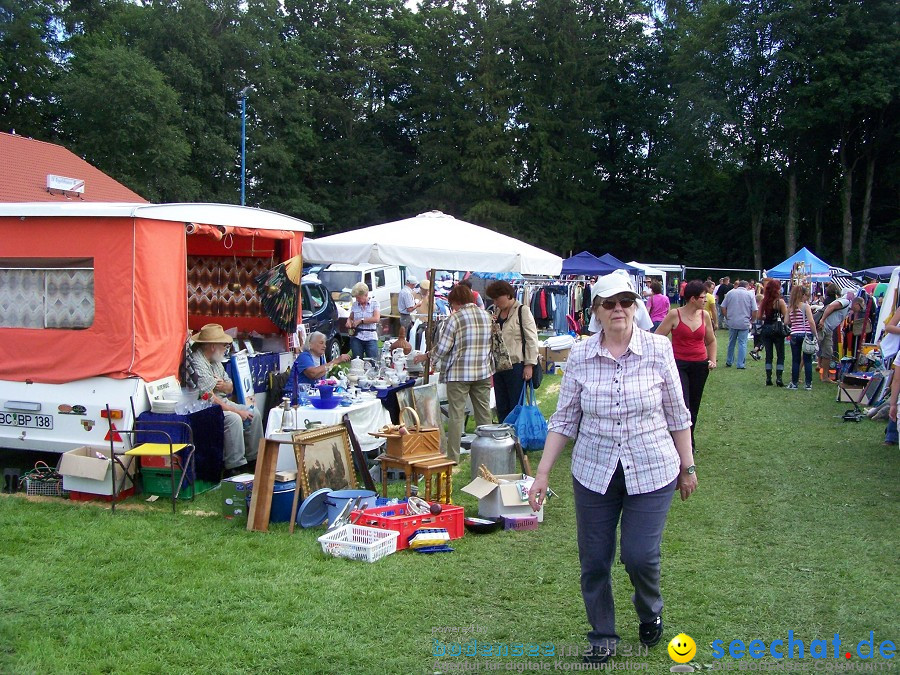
[320, 314]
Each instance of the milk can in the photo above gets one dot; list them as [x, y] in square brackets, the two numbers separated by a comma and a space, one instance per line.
[495, 447]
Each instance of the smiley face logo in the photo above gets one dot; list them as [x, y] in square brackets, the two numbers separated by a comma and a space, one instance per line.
[682, 648]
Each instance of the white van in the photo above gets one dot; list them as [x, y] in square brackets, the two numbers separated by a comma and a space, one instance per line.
[382, 280]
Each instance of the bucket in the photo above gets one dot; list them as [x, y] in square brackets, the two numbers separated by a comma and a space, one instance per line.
[282, 501]
[337, 500]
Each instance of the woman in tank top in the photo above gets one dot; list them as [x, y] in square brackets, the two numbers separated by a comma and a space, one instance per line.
[800, 319]
[771, 309]
[694, 345]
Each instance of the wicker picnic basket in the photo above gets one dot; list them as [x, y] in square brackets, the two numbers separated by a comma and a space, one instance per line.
[418, 440]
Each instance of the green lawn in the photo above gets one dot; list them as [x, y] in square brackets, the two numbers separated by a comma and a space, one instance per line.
[794, 527]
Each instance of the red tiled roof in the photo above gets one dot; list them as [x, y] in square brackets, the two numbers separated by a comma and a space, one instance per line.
[28, 162]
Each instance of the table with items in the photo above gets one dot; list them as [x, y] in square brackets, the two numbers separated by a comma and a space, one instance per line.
[367, 414]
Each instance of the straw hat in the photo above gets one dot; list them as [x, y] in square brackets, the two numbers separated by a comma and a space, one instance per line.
[212, 333]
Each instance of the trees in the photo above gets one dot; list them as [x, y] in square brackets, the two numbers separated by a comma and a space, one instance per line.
[713, 132]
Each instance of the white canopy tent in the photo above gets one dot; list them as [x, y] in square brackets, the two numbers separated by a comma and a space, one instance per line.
[650, 271]
[432, 240]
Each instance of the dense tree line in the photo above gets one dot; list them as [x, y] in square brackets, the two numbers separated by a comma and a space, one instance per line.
[719, 132]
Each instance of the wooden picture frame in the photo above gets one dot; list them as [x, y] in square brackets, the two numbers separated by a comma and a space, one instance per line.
[323, 459]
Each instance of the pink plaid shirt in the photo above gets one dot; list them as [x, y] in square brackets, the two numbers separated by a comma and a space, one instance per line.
[622, 410]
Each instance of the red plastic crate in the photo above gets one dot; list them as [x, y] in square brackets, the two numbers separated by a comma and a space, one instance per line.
[90, 496]
[395, 518]
[161, 462]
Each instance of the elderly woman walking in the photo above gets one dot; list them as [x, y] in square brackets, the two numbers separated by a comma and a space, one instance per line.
[519, 333]
[621, 400]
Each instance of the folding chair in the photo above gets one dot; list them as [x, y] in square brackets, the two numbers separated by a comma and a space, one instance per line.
[166, 448]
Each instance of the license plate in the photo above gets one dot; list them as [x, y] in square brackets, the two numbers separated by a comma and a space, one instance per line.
[27, 420]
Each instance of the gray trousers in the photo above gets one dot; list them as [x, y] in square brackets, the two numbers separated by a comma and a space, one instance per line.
[480, 393]
[643, 519]
[241, 445]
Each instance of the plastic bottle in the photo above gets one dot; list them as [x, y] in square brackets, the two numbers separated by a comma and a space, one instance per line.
[249, 421]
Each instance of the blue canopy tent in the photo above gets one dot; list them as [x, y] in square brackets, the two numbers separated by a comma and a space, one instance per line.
[583, 263]
[816, 269]
[588, 264]
[878, 273]
[616, 264]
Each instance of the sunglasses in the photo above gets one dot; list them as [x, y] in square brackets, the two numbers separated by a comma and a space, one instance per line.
[611, 304]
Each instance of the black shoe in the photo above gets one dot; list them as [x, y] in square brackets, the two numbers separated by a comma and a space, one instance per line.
[769, 383]
[779, 383]
[597, 656]
[651, 632]
[754, 355]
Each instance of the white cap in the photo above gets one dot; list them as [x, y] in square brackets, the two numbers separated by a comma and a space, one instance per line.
[410, 279]
[613, 284]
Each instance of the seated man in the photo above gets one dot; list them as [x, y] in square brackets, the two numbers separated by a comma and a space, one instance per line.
[311, 366]
[243, 428]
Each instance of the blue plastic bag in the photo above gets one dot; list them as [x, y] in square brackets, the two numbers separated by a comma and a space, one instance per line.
[527, 420]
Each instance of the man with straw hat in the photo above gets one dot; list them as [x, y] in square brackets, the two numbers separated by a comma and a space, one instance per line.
[243, 428]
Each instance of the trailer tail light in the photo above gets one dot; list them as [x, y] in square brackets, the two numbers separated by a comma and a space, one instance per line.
[111, 414]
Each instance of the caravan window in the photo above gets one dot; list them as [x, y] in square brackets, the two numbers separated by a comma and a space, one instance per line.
[379, 280]
[46, 293]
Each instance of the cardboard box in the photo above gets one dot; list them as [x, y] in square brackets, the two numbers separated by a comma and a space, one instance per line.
[87, 470]
[501, 500]
[555, 356]
[234, 496]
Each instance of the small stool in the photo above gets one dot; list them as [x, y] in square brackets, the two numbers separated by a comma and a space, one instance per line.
[398, 464]
[442, 469]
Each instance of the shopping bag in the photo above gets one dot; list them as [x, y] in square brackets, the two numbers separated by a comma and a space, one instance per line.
[527, 420]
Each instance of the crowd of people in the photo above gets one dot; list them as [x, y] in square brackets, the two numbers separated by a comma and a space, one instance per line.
[630, 399]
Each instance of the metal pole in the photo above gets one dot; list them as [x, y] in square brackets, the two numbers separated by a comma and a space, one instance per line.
[243, 142]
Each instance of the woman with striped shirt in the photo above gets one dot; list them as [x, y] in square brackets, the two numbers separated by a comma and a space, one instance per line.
[800, 319]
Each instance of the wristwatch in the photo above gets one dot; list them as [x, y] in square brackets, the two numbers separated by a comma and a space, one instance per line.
[691, 469]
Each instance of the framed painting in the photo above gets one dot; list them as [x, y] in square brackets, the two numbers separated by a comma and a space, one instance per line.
[323, 459]
[427, 404]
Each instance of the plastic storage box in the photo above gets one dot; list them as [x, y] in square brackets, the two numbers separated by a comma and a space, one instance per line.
[397, 519]
[356, 542]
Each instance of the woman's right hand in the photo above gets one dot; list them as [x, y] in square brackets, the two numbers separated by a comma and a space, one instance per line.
[538, 492]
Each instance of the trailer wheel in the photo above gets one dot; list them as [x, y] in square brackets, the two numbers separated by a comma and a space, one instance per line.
[332, 350]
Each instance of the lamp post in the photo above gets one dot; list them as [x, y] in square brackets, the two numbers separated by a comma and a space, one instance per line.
[243, 97]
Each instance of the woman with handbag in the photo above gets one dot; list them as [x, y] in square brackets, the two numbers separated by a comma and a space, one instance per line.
[519, 332]
[800, 320]
[620, 399]
[773, 311]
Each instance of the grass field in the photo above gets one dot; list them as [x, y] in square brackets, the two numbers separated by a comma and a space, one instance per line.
[794, 527]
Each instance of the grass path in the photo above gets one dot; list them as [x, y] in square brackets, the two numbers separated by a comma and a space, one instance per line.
[794, 527]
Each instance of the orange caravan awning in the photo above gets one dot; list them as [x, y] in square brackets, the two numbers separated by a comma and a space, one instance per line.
[139, 279]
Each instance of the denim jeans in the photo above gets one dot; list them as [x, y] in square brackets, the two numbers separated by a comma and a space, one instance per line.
[361, 348]
[797, 355]
[643, 518]
[776, 342]
[737, 336]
